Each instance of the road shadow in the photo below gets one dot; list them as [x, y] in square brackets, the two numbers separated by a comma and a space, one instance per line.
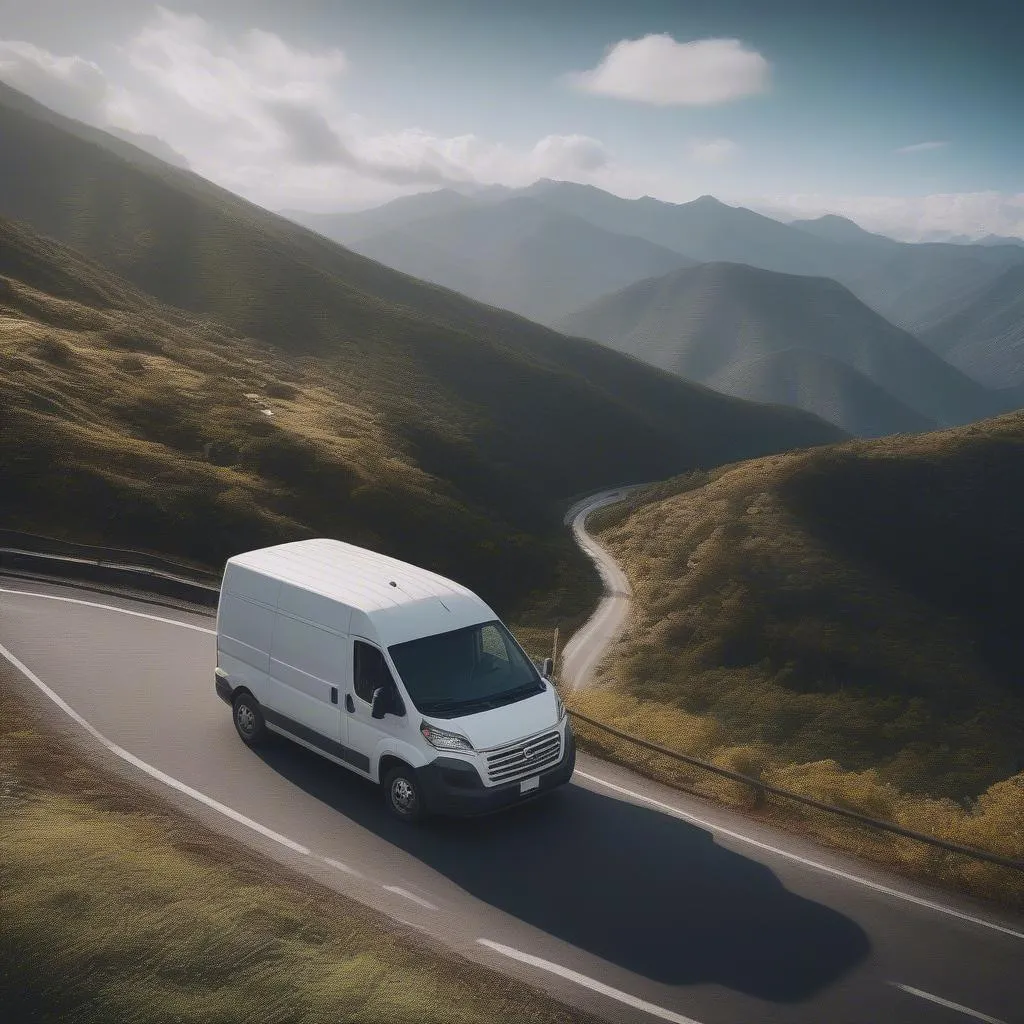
[639, 888]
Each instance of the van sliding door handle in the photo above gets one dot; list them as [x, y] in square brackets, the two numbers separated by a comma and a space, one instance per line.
[334, 695]
[350, 704]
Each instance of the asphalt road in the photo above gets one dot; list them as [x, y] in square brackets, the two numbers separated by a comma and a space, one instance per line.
[615, 894]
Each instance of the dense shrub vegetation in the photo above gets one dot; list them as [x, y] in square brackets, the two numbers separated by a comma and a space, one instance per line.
[859, 603]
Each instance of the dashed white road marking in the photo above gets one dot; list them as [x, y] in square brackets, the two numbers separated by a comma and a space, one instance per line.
[291, 844]
[342, 867]
[947, 1003]
[807, 862]
[167, 780]
[399, 891]
[595, 986]
[111, 608]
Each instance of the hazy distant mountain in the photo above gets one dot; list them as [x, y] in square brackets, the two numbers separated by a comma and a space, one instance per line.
[705, 229]
[986, 240]
[706, 321]
[839, 229]
[986, 337]
[1000, 240]
[911, 285]
[153, 145]
[823, 385]
[348, 228]
[520, 255]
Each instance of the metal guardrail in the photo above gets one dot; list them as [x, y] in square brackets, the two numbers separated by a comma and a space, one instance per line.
[100, 570]
[761, 787]
[34, 543]
[175, 585]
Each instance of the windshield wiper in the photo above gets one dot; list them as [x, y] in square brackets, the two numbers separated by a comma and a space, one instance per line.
[494, 700]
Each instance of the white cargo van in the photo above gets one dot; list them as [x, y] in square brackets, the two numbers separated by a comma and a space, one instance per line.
[398, 674]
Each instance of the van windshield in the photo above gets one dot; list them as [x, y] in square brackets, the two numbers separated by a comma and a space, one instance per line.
[465, 671]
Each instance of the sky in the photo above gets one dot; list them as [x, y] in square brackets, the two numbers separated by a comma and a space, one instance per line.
[904, 116]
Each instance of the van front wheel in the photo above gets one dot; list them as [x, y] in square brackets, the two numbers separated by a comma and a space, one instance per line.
[403, 794]
[249, 722]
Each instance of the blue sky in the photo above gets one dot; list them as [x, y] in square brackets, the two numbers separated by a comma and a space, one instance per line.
[904, 115]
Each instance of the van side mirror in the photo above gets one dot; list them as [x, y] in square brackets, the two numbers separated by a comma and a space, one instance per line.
[547, 668]
[386, 701]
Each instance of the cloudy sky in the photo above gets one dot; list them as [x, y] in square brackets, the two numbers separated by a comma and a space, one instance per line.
[903, 115]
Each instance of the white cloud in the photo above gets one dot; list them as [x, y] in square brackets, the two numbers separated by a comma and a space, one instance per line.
[657, 69]
[910, 218]
[74, 87]
[78, 89]
[568, 155]
[712, 151]
[921, 147]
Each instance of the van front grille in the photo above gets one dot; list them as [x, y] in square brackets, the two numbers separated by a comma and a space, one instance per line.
[525, 758]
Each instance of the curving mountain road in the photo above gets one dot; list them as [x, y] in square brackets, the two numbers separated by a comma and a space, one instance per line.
[617, 895]
[585, 648]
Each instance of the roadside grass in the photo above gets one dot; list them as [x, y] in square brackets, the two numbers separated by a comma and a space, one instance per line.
[843, 622]
[115, 906]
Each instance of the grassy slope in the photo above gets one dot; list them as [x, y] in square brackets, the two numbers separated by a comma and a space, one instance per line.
[116, 907]
[132, 426]
[860, 603]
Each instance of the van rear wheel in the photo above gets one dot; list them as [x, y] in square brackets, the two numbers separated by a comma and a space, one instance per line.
[249, 722]
[403, 794]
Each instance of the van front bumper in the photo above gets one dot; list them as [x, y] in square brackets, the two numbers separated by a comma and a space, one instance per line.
[454, 787]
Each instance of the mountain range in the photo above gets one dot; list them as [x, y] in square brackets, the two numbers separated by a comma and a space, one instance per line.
[519, 255]
[912, 285]
[806, 341]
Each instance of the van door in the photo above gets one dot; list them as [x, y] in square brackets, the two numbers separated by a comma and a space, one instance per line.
[307, 673]
[369, 671]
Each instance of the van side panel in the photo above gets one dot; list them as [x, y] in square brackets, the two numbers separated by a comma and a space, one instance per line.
[314, 608]
[245, 622]
[306, 663]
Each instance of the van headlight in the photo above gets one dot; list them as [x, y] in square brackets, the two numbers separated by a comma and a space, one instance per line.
[443, 739]
[560, 706]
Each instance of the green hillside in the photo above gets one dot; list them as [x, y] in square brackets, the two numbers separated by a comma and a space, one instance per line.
[860, 603]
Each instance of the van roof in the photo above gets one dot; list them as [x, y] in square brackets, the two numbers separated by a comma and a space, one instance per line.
[365, 580]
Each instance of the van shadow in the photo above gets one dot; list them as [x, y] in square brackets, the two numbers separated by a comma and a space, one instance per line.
[641, 889]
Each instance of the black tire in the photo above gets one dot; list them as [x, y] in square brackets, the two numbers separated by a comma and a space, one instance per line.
[403, 794]
[248, 719]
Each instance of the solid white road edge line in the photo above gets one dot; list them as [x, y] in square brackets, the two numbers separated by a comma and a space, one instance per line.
[592, 778]
[947, 1003]
[110, 608]
[160, 776]
[399, 891]
[594, 986]
[807, 862]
